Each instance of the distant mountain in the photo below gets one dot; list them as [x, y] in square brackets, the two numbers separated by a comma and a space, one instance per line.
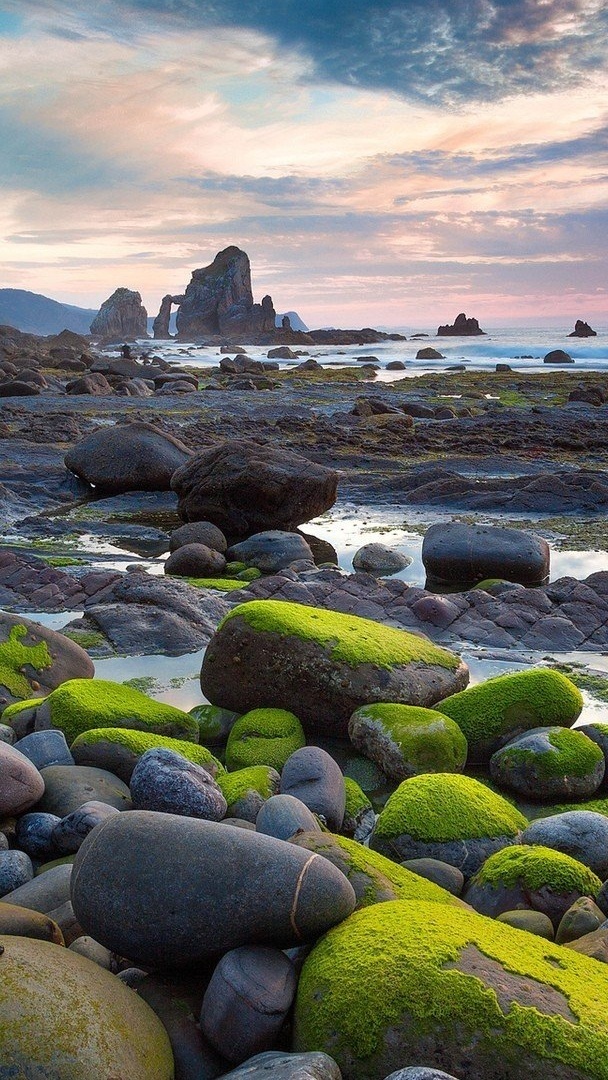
[295, 320]
[37, 314]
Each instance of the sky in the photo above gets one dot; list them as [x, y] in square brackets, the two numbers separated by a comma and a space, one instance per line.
[382, 163]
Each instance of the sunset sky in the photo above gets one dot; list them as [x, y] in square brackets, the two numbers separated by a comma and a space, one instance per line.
[382, 163]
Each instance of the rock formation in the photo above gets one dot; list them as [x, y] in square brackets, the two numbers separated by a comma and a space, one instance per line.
[462, 327]
[122, 317]
[582, 329]
[219, 300]
[160, 326]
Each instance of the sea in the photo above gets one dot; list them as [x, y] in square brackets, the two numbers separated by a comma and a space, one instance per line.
[522, 349]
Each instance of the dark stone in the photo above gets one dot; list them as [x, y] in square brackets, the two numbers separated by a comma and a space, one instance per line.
[448, 877]
[72, 829]
[198, 532]
[428, 353]
[33, 834]
[271, 550]
[582, 329]
[195, 560]
[121, 317]
[44, 893]
[244, 488]
[164, 781]
[312, 1066]
[219, 300]
[45, 748]
[453, 552]
[94, 383]
[557, 356]
[311, 775]
[127, 457]
[197, 889]
[582, 834]
[177, 1000]
[461, 327]
[67, 787]
[15, 869]
[283, 816]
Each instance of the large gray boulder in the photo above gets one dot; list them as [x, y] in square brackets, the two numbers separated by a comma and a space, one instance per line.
[456, 553]
[122, 317]
[244, 488]
[127, 457]
[175, 891]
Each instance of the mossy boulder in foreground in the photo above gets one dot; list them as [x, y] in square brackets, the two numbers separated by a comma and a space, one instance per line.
[449, 817]
[413, 982]
[264, 737]
[530, 876]
[119, 749]
[83, 704]
[321, 665]
[405, 740]
[549, 763]
[246, 790]
[36, 659]
[63, 1018]
[496, 711]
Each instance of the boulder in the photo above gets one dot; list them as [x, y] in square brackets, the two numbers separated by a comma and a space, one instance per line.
[246, 790]
[461, 327]
[68, 787]
[94, 383]
[313, 1066]
[198, 532]
[21, 785]
[283, 816]
[582, 329]
[22, 922]
[195, 560]
[55, 996]
[271, 550]
[34, 835]
[119, 749]
[313, 776]
[377, 558]
[198, 888]
[321, 664]
[463, 994]
[548, 764]
[404, 740]
[163, 780]
[533, 877]
[449, 817]
[557, 356]
[70, 831]
[428, 353]
[264, 737]
[36, 660]
[45, 893]
[244, 488]
[498, 710]
[456, 553]
[219, 300]
[122, 317]
[127, 457]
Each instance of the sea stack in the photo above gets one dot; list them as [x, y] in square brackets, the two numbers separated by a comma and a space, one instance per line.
[582, 329]
[219, 300]
[122, 317]
[461, 327]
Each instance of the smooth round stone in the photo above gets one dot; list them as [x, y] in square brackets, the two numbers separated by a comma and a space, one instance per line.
[23, 922]
[247, 1001]
[236, 887]
[312, 1066]
[21, 785]
[548, 764]
[535, 922]
[214, 724]
[195, 560]
[15, 870]
[72, 829]
[45, 748]
[33, 833]
[311, 775]
[86, 946]
[44, 893]
[177, 1000]
[457, 553]
[271, 550]
[165, 781]
[7, 734]
[378, 558]
[283, 816]
[583, 917]
[446, 876]
[198, 532]
[583, 834]
[65, 918]
[67, 1019]
[69, 786]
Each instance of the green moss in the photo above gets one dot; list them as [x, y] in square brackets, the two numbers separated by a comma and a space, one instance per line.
[596, 685]
[537, 867]
[146, 684]
[83, 704]
[519, 701]
[576, 755]
[351, 639]
[15, 656]
[446, 806]
[374, 878]
[140, 741]
[87, 639]
[234, 568]
[264, 737]
[260, 778]
[250, 574]
[425, 740]
[214, 723]
[407, 956]
[356, 799]
[17, 707]
[221, 584]
[63, 560]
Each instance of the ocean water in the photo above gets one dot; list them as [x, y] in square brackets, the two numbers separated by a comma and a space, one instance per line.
[522, 349]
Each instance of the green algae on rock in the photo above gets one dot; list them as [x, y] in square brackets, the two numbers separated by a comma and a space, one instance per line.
[446, 816]
[80, 705]
[550, 763]
[529, 876]
[119, 749]
[246, 789]
[321, 665]
[412, 981]
[405, 739]
[264, 737]
[63, 1017]
[374, 878]
[495, 711]
[35, 659]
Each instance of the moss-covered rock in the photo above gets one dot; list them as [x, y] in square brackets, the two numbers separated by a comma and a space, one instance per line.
[405, 740]
[446, 816]
[119, 749]
[549, 763]
[359, 818]
[247, 789]
[497, 710]
[374, 878]
[83, 704]
[214, 724]
[408, 981]
[533, 877]
[264, 737]
[321, 664]
[34, 659]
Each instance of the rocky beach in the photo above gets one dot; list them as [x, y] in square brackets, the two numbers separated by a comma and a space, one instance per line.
[304, 684]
